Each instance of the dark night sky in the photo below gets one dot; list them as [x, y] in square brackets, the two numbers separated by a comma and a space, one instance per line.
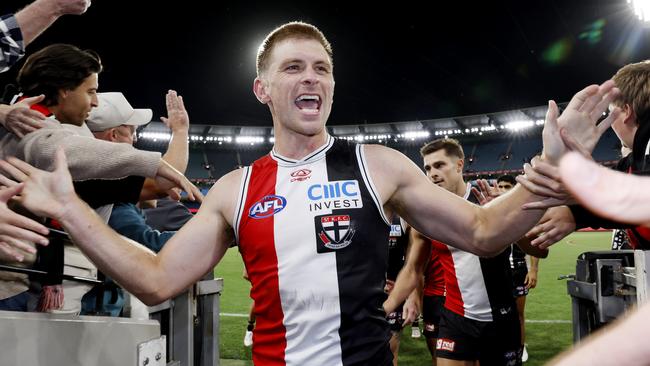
[402, 63]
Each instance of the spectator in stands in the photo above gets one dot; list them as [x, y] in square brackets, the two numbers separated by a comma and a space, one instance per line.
[116, 121]
[16, 32]
[632, 126]
[628, 203]
[68, 79]
[314, 268]
[20, 29]
[167, 214]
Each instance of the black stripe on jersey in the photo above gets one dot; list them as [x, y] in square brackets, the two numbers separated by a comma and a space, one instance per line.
[361, 269]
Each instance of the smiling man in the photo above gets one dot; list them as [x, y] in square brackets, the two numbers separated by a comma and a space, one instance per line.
[317, 271]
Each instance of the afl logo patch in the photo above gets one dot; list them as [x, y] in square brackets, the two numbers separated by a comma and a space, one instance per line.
[267, 206]
[300, 175]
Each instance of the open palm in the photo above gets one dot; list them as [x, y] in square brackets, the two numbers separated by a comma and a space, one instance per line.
[44, 193]
[578, 128]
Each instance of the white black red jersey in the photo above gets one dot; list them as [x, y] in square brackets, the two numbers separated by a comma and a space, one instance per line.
[477, 288]
[313, 236]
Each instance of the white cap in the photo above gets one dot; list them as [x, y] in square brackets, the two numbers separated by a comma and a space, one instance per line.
[114, 110]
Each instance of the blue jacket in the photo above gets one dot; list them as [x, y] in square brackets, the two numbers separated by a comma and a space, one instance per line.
[128, 220]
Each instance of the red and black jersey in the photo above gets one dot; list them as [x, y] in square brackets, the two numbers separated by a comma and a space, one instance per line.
[313, 237]
[434, 274]
[477, 288]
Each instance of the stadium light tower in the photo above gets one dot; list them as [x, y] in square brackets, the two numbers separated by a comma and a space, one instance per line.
[641, 9]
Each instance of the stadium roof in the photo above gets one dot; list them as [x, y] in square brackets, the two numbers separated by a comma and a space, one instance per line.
[155, 135]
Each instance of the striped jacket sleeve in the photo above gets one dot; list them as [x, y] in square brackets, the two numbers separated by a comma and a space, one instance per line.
[12, 47]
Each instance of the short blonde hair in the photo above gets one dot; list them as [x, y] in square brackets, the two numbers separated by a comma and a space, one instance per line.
[292, 30]
[633, 81]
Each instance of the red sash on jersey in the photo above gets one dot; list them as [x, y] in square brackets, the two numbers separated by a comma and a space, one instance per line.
[639, 236]
[434, 280]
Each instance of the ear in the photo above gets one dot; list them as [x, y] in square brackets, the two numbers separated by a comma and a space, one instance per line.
[459, 165]
[113, 136]
[628, 115]
[259, 88]
[61, 95]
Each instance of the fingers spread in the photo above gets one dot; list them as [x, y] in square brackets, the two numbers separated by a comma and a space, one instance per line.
[605, 124]
[11, 167]
[581, 97]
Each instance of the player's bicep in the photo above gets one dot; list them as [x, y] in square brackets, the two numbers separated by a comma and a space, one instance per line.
[431, 210]
[435, 212]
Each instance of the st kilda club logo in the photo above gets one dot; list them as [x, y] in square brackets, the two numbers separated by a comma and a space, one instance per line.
[334, 231]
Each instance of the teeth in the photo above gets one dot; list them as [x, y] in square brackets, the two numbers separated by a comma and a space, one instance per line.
[308, 97]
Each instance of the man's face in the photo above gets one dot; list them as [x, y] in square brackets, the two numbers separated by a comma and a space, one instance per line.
[298, 86]
[443, 170]
[504, 186]
[74, 105]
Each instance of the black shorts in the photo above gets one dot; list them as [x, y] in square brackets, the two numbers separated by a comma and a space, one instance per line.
[395, 319]
[431, 310]
[493, 343]
[518, 281]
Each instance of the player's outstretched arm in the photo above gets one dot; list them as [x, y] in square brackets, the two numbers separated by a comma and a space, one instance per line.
[191, 253]
[617, 196]
[444, 216]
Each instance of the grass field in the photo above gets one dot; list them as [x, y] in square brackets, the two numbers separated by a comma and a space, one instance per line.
[548, 308]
